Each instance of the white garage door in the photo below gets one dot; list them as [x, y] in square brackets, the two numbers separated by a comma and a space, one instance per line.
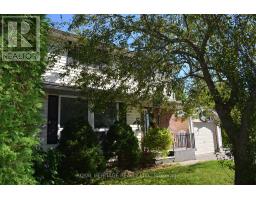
[204, 137]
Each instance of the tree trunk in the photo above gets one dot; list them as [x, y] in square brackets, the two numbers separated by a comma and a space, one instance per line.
[244, 166]
[245, 169]
[243, 148]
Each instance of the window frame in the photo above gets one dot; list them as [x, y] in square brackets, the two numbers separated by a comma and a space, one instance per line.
[91, 119]
[73, 97]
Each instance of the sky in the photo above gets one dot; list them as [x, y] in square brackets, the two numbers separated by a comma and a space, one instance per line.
[61, 20]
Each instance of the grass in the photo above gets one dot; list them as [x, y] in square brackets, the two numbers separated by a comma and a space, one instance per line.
[204, 173]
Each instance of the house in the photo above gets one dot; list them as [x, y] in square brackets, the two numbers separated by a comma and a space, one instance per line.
[63, 101]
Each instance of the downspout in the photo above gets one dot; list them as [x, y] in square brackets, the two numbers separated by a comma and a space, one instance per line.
[218, 133]
[191, 130]
[219, 138]
[190, 127]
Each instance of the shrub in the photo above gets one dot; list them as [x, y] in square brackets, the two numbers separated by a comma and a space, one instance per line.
[46, 166]
[121, 142]
[82, 156]
[147, 159]
[158, 140]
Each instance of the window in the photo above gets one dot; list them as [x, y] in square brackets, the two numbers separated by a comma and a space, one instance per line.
[105, 118]
[72, 108]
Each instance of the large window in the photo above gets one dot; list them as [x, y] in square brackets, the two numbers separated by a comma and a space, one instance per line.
[72, 108]
[105, 118]
[65, 109]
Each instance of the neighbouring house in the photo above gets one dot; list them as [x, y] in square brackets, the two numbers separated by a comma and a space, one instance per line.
[63, 101]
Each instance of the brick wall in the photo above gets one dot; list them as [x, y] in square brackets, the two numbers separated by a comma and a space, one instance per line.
[168, 120]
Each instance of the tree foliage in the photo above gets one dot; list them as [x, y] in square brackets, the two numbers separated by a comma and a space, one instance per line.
[20, 103]
[204, 59]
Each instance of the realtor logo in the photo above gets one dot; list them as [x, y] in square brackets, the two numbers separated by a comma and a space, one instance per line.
[21, 38]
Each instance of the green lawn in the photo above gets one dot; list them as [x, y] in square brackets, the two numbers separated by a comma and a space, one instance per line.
[211, 172]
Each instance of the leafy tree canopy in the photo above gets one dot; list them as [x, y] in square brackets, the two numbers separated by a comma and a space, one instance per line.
[207, 60]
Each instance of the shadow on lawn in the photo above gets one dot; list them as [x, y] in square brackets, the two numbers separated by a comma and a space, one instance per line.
[204, 173]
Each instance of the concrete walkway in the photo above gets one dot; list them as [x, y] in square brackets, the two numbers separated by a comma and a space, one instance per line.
[189, 162]
[208, 156]
[199, 158]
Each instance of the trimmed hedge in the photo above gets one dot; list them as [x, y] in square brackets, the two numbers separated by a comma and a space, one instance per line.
[158, 140]
[82, 156]
[120, 142]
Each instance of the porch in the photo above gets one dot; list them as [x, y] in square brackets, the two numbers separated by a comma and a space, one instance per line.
[184, 147]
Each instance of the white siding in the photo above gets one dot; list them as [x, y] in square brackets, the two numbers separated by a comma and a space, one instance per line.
[131, 116]
[52, 74]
